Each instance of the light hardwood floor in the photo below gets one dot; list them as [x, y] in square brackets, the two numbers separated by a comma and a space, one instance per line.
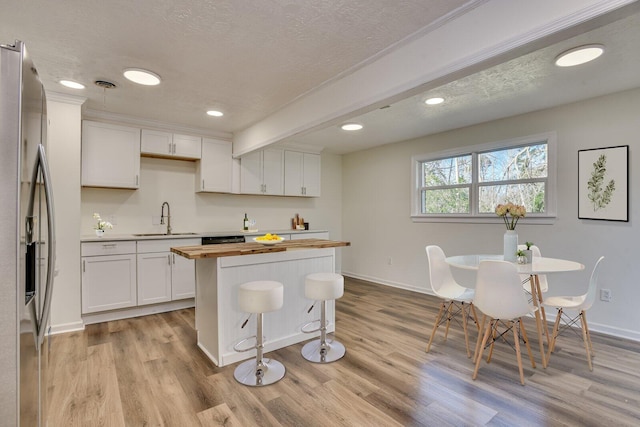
[148, 371]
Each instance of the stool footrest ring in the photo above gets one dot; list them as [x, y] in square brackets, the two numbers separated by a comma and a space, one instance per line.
[305, 327]
[237, 348]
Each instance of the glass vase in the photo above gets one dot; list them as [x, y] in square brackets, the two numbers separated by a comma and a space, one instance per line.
[510, 246]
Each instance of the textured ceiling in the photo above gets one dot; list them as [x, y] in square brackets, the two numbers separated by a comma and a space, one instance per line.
[247, 58]
[525, 84]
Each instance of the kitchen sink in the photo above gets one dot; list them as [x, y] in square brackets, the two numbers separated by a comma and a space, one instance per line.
[163, 234]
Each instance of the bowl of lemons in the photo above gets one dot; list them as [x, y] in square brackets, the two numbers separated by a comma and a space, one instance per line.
[268, 239]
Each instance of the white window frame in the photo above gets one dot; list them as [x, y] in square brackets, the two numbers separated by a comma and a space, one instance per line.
[550, 138]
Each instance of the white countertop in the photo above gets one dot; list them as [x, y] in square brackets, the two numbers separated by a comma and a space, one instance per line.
[113, 236]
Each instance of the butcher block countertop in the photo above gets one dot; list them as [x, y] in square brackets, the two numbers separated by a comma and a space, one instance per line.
[234, 249]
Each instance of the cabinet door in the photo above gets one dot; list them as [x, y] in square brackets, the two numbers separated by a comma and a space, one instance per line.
[187, 146]
[108, 282]
[293, 170]
[214, 171]
[156, 142]
[311, 174]
[110, 155]
[273, 171]
[154, 278]
[183, 277]
[251, 173]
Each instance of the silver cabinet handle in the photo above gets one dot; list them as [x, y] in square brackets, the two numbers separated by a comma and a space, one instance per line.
[169, 259]
[174, 258]
[109, 245]
[203, 184]
[169, 148]
[84, 267]
[137, 180]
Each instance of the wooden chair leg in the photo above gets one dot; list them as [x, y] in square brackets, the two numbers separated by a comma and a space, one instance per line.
[479, 340]
[475, 317]
[544, 315]
[516, 340]
[464, 328]
[485, 337]
[449, 315]
[435, 325]
[554, 334]
[586, 338]
[526, 343]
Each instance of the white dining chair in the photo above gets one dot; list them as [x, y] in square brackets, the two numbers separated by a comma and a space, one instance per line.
[456, 299]
[579, 303]
[500, 298]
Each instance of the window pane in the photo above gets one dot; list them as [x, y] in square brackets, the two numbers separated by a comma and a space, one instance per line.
[513, 163]
[452, 171]
[531, 195]
[445, 201]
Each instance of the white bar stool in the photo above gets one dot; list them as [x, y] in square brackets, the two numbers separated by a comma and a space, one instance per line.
[322, 287]
[259, 297]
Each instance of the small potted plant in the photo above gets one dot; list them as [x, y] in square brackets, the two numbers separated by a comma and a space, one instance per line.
[528, 253]
[521, 258]
[101, 225]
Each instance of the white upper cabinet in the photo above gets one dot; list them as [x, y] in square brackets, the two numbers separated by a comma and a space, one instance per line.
[301, 174]
[215, 168]
[110, 155]
[262, 172]
[157, 143]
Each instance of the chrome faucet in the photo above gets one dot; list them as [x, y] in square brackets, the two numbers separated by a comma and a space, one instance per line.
[168, 217]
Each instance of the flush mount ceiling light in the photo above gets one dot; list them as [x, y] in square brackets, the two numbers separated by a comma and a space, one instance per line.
[142, 77]
[351, 126]
[215, 113]
[71, 84]
[434, 101]
[579, 55]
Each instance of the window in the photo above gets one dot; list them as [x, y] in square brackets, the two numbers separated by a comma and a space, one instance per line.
[468, 183]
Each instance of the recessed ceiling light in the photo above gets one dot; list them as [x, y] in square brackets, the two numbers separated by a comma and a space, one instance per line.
[579, 55]
[351, 126]
[71, 84]
[142, 77]
[215, 113]
[434, 101]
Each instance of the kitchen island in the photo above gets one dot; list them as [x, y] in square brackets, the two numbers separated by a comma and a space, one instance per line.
[220, 269]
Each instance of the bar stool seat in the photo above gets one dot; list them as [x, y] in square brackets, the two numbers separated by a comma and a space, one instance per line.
[259, 297]
[323, 287]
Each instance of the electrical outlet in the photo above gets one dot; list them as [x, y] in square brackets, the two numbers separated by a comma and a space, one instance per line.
[390, 261]
[605, 295]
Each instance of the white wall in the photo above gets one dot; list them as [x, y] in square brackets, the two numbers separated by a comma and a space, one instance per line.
[64, 163]
[376, 206]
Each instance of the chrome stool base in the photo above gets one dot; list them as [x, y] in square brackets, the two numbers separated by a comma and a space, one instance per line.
[256, 374]
[314, 352]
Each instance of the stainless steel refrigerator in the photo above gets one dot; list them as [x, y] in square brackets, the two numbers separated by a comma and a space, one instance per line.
[27, 242]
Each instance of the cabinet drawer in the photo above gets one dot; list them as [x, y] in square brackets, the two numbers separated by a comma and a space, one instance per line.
[108, 248]
[165, 245]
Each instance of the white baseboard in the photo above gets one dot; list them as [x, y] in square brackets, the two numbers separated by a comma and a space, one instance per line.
[66, 327]
[144, 310]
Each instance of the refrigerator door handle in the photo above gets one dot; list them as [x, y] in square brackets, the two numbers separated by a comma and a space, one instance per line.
[41, 165]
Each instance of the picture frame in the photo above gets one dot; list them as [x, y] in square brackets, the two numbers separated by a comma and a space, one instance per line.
[603, 183]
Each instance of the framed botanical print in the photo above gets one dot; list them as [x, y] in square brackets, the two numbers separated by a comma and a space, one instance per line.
[603, 183]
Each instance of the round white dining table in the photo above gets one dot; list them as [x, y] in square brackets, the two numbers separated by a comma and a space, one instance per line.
[538, 266]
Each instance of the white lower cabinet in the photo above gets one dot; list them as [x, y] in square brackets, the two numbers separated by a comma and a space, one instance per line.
[108, 276]
[163, 276]
[123, 274]
[154, 278]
